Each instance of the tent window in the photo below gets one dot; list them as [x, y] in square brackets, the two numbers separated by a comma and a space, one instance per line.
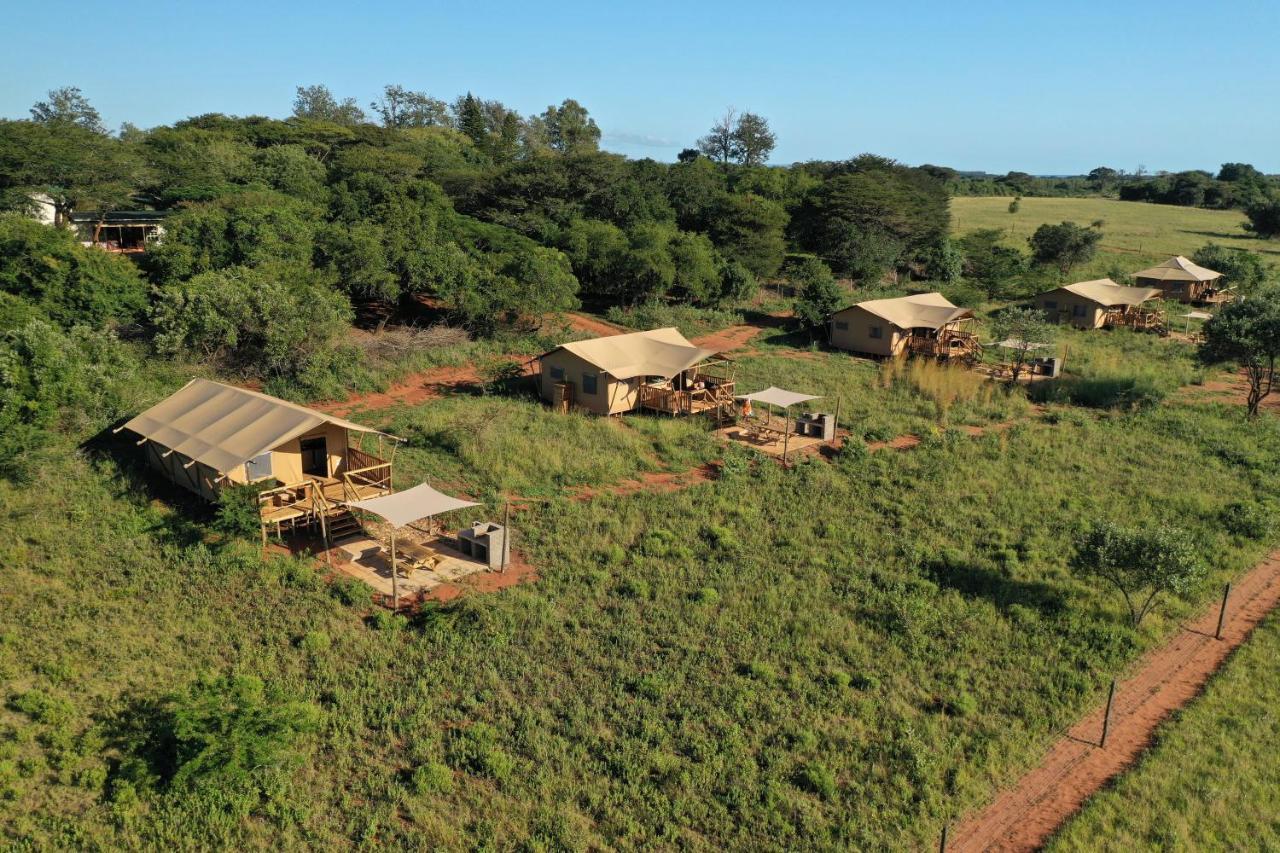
[1050, 305]
[557, 374]
[589, 383]
[1077, 310]
[842, 326]
[877, 332]
[258, 467]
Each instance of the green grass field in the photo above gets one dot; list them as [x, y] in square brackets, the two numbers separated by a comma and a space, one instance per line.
[1212, 782]
[1132, 229]
[847, 654]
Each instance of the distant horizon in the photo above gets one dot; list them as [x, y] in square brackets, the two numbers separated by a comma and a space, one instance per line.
[924, 82]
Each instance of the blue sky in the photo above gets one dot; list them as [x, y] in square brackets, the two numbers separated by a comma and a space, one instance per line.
[1044, 88]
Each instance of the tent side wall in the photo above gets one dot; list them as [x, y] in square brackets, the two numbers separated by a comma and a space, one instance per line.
[1182, 291]
[199, 478]
[1063, 306]
[612, 396]
[286, 460]
[852, 330]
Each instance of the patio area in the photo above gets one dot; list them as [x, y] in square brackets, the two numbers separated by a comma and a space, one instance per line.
[366, 559]
[772, 443]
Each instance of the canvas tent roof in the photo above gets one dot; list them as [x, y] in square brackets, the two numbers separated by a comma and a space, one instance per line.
[401, 508]
[1106, 292]
[918, 311]
[778, 397]
[223, 426]
[1178, 268]
[657, 352]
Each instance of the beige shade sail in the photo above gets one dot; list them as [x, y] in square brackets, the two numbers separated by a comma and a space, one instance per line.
[778, 397]
[1178, 268]
[411, 505]
[1107, 293]
[223, 426]
[918, 311]
[1197, 315]
[657, 352]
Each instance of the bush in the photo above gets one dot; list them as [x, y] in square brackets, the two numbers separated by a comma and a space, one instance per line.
[224, 733]
[432, 778]
[475, 750]
[71, 284]
[238, 513]
[1250, 520]
[1131, 393]
[818, 779]
[269, 323]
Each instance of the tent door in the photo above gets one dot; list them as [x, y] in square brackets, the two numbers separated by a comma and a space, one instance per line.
[315, 457]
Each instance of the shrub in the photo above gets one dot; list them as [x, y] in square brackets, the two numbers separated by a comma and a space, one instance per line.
[1250, 520]
[688, 319]
[475, 750]
[225, 732]
[818, 779]
[46, 267]
[707, 595]
[351, 592]
[432, 778]
[1131, 393]
[238, 513]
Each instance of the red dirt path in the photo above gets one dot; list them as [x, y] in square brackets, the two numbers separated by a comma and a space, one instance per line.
[413, 389]
[727, 340]
[1024, 816]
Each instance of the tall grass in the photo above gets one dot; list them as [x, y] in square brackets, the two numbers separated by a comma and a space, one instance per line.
[943, 384]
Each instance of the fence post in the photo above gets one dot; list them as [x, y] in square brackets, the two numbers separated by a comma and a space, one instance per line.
[506, 534]
[942, 844]
[1222, 613]
[1106, 717]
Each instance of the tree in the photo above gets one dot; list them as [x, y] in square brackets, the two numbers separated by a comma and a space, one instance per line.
[1264, 218]
[753, 139]
[989, 262]
[1247, 332]
[1102, 178]
[1241, 269]
[566, 129]
[1028, 331]
[72, 166]
[1142, 563]
[820, 296]
[750, 230]
[400, 107]
[720, 143]
[1064, 245]
[470, 119]
[688, 155]
[318, 103]
[67, 106]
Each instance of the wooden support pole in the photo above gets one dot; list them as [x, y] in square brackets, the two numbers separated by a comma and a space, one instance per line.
[1106, 716]
[395, 576]
[1222, 613]
[942, 844]
[786, 434]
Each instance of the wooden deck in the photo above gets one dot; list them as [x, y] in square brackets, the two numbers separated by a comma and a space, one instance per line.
[717, 399]
[317, 501]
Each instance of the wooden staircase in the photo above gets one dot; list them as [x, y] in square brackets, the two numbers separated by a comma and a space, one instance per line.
[342, 523]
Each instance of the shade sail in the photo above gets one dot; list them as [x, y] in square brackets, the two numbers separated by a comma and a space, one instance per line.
[657, 352]
[223, 426]
[1178, 268]
[1107, 293]
[411, 505]
[918, 311]
[778, 397]
[1197, 315]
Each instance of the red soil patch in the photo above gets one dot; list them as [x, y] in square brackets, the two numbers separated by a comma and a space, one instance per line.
[902, 442]
[1234, 391]
[414, 389]
[594, 325]
[1025, 815]
[727, 340]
